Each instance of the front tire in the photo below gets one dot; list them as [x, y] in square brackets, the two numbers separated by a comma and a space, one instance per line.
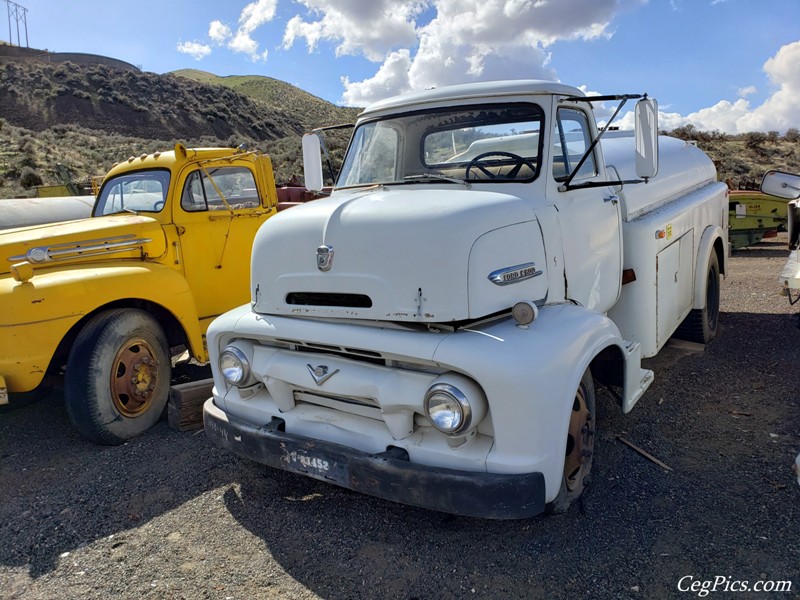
[579, 450]
[118, 375]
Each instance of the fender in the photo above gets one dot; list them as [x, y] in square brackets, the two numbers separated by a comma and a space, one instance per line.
[530, 376]
[37, 314]
[711, 234]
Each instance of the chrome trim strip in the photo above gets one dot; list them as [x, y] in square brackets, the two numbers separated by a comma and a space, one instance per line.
[42, 254]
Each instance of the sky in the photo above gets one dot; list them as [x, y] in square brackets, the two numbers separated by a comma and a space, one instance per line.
[726, 65]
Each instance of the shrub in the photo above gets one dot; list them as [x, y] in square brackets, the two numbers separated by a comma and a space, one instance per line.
[754, 140]
[29, 178]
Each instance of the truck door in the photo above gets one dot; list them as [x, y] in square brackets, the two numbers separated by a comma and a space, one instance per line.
[589, 217]
[219, 213]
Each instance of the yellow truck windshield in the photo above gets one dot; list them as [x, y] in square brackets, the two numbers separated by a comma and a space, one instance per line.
[141, 191]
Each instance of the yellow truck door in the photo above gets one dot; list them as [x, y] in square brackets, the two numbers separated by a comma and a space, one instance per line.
[221, 207]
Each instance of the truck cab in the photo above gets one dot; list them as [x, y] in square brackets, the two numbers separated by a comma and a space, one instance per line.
[433, 332]
[110, 299]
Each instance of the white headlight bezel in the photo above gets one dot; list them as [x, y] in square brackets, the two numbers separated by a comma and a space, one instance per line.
[245, 376]
[458, 399]
[466, 396]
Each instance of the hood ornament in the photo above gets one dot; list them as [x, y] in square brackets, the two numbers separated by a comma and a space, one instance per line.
[320, 373]
[325, 258]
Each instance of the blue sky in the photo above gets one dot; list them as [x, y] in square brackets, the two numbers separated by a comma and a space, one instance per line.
[732, 65]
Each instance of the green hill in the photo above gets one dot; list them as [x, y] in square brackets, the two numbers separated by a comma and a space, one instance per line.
[278, 95]
[89, 116]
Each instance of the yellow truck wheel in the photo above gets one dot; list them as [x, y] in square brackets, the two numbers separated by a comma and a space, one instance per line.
[118, 375]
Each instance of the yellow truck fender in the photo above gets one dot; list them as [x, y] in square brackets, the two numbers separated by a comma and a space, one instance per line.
[40, 317]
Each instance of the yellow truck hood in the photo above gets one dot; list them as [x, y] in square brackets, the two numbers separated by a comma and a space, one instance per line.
[114, 236]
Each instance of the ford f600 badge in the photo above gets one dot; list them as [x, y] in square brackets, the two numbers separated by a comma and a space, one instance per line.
[514, 274]
[324, 258]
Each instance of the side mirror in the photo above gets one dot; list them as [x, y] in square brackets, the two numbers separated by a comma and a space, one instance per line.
[782, 185]
[646, 119]
[312, 162]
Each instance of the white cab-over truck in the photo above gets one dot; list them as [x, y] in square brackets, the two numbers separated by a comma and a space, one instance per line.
[433, 332]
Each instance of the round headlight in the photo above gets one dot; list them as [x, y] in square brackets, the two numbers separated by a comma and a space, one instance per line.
[448, 408]
[234, 366]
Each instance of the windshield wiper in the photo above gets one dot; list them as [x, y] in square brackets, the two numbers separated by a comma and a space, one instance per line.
[437, 177]
[121, 210]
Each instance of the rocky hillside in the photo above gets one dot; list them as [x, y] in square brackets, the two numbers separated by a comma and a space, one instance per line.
[88, 116]
[277, 96]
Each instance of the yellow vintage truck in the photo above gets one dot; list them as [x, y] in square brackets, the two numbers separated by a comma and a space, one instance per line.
[109, 300]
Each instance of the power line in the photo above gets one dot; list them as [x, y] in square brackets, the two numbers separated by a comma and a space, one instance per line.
[20, 13]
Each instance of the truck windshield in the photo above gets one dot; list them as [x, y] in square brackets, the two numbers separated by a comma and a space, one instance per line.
[141, 191]
[490, 142]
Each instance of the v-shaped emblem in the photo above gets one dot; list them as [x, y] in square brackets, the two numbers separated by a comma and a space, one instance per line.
[321, 374]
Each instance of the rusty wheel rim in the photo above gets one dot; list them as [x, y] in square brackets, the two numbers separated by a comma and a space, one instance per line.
[134, 377]
[580, 441]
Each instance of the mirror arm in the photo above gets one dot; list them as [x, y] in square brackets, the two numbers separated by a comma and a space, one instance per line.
[319, 131]
[596, 140]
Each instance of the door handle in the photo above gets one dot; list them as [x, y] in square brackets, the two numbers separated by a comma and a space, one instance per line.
[613, 198]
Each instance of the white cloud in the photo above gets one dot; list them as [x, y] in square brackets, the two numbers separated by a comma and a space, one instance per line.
[219, 32]
[196, 50]
[746, 91]
[782, 109]
[779, 112]
[390, 80]
[371, 28]
[466, 40]
[242, 42]
[253, 15]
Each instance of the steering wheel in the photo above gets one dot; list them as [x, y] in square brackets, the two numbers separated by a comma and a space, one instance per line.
[519, 162]
[158, 206]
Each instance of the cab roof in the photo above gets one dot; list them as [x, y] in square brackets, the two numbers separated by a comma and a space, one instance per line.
[472, 91]
[170, 158]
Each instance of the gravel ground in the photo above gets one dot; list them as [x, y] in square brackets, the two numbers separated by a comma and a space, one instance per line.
[169, 516]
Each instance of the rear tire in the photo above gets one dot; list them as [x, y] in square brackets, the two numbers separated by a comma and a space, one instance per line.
[700, 325]
[579, 450]
[118, 375]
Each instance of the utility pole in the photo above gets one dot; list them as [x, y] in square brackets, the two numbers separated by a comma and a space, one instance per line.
[20, 13]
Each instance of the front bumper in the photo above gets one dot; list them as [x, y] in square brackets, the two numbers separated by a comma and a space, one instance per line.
[389, 475]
